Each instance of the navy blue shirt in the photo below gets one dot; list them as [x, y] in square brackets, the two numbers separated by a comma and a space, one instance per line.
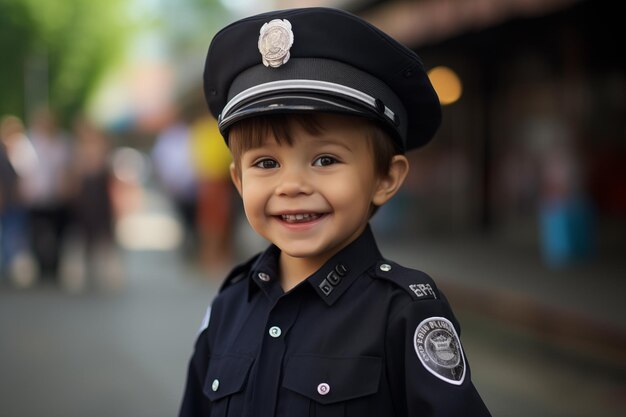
[361, 337]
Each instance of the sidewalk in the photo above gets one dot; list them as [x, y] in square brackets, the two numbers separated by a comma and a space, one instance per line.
[100, 354]
[577, 308]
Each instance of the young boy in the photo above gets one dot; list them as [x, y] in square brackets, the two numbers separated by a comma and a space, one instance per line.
[318, 107]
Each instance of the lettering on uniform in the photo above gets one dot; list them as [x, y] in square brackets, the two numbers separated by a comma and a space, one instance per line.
[333, 279]
[438, 348]
[326, 287]
[422, 290]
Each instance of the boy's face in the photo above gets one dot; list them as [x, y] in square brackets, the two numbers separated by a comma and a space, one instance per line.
[313, 198]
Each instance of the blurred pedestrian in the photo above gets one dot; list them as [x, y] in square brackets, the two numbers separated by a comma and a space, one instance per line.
[47, 190]
[17, 161]
[212, 160]
[171, 156]
[91, 207]
[565, 212]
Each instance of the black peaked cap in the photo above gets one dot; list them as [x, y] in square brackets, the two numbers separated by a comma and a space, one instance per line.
[336, 62]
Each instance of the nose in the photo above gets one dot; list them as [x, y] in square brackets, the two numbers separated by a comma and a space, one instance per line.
[294, 181]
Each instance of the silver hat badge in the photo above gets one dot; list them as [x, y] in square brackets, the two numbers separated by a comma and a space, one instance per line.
[275, 40]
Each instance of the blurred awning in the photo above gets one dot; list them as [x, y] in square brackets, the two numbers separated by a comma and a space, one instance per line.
[416, 23]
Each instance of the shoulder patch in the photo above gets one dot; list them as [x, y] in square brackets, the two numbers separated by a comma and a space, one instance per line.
[238, 273]
[418, 284]
[438, 348]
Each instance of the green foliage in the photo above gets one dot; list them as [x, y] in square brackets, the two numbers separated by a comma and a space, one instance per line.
[62, 46]
[16, 38]
[191, 24]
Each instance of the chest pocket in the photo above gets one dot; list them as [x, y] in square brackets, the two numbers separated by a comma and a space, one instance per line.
[225, 382]
[331, 382]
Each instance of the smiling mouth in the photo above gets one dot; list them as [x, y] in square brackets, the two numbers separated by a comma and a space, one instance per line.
[300, 217]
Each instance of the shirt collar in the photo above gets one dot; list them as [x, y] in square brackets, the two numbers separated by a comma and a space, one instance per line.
[331, 280]
[264, 273]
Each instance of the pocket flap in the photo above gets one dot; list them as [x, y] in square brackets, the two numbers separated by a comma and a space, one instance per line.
[332, 379]
[226, 375]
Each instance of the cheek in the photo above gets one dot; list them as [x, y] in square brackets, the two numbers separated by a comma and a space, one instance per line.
[352, 192]
[251, 198]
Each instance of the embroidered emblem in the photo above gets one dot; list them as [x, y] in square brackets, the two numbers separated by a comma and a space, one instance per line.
[422, 290]
[275, 40]
[439, 349]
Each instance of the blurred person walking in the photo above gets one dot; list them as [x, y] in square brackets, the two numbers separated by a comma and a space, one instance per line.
[171, 156]
[215, 194]
[47, 192]
[566, 214]
[92, 209]
[17, 160]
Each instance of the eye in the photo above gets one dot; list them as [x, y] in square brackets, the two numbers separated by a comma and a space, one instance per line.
[266, 164]
[325, 160]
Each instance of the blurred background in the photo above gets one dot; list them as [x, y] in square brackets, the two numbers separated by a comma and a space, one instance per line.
[118, 222]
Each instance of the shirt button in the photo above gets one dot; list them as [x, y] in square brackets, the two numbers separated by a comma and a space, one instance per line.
[323, 389]
[275, 331]
[215, 385]
[385, 267]
[263, 276]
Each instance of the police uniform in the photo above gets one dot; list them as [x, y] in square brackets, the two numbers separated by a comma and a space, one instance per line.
[362, 336]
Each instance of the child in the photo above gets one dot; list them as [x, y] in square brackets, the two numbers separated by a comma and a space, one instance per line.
[318, 107]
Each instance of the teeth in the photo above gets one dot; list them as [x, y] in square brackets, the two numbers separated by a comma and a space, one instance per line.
[304, 217]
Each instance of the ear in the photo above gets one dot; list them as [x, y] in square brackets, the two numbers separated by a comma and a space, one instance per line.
[235, 176]
[390, 184]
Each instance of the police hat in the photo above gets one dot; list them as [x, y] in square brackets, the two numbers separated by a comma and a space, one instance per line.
[320, 60]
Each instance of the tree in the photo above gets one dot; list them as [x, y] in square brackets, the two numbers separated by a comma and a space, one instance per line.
[16, 39]
[55, 51]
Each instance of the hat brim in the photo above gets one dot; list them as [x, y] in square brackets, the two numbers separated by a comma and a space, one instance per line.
[301, 103]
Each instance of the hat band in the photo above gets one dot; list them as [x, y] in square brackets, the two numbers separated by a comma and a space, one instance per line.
[306, 85]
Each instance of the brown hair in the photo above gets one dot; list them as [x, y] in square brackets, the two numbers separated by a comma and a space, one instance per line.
[250, 133]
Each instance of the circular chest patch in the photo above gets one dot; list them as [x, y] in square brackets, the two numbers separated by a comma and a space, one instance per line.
[439, 349]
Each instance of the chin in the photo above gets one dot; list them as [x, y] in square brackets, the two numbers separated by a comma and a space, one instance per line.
[300, 253]
[302, 250]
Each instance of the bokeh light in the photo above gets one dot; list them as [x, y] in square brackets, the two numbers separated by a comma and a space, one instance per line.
[447, 84]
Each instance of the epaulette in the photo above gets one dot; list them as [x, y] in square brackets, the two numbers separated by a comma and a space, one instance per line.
[417, 283]
[238, 273]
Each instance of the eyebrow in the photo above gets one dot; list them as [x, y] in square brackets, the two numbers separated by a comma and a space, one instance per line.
[333, 141]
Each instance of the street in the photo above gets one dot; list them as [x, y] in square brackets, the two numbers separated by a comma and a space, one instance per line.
[124, 354]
